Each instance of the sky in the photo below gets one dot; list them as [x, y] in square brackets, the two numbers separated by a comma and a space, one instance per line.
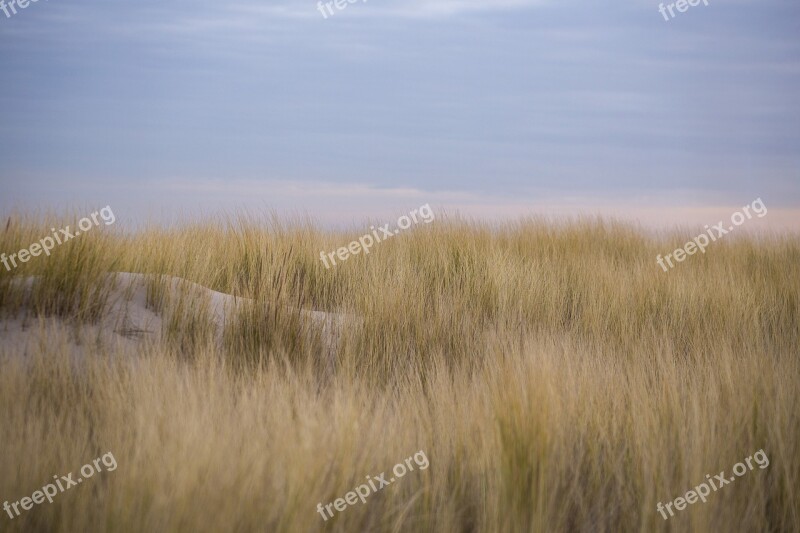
[489, 108]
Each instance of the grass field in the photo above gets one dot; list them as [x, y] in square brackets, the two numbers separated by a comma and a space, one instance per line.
[555, 377]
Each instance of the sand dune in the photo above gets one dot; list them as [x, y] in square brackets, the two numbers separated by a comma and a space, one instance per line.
[131, 322]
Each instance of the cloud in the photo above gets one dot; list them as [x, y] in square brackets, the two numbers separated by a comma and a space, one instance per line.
[250, 13]
[445, 8]
[239, 19]
[353, 203]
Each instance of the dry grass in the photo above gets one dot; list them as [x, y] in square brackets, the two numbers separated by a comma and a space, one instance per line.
[556, 378]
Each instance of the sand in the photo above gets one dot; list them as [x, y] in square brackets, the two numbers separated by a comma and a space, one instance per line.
[130, 324]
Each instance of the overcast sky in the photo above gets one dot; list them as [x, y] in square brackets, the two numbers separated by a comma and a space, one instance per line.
[494, 108]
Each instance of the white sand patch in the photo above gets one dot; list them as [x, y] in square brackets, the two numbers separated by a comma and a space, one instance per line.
[130, 323]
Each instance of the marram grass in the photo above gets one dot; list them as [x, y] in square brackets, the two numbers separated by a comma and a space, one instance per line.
[556, 378]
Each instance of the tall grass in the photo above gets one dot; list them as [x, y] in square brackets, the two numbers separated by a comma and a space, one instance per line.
[555, 376]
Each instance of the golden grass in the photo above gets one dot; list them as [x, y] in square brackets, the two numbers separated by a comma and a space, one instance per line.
[556, 378]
